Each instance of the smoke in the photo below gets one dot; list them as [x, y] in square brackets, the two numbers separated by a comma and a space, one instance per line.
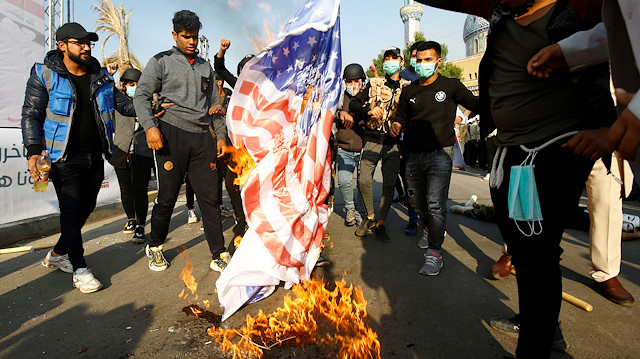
[249, 25]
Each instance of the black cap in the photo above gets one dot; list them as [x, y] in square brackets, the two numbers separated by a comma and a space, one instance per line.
[131, 74]
[74, 30]
[393, 50]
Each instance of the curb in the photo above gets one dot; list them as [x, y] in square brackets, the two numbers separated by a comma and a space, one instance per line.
[32, 228]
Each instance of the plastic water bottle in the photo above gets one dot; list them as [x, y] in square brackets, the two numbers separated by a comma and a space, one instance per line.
[43, 164]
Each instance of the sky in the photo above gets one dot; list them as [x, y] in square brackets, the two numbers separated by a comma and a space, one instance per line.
[367, 27]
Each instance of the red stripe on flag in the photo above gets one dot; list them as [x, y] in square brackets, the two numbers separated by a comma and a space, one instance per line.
[262, 104]
[243, 115]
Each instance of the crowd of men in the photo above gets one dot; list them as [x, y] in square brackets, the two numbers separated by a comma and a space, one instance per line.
[544, 99]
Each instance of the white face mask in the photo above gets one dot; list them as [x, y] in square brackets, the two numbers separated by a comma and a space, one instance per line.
[131, 90]
[349, 90]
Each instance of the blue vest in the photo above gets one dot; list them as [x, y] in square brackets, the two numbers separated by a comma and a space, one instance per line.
[62, 104]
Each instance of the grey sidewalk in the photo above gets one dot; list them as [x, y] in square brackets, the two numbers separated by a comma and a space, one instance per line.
[138, 313]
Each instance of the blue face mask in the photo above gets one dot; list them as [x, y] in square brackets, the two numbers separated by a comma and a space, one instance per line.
[391, 67]
[523, 202]
[425, 70]
[131, 90]
[413, 63]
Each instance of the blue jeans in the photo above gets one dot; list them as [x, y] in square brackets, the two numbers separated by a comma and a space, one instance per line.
[428, 176]
[77, 182]
[347, 162]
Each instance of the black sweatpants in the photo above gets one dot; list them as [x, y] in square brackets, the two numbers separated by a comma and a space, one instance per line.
[194, 152]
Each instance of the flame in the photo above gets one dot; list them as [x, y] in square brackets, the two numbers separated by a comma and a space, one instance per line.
[331, 318]
[243, 163]
[188, 279]
[236, 241]
[186, 275]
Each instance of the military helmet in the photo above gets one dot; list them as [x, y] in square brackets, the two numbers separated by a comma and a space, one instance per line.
[244, 62]
[353, 72]
[131, 74]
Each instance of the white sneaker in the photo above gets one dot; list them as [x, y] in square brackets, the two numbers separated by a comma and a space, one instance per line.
[84, 280]
[473, 199]
[59, 262]
[487, 177]
[192, 217]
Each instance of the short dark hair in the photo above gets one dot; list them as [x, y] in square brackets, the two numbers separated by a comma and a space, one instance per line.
[426, 45]
[415, 46]
[186, 20]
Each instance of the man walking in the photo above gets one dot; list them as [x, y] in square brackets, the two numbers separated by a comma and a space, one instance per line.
[427, 110]
[377, 102]
[181, 139]
[68, 111]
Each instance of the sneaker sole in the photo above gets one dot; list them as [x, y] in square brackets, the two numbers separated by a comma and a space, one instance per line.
[432, 274]
[192, 221]
[423, 246]
[138, 240]
[128, 231]
[216, 269]
[158, 269]
[90, 290]
[54, 267]
[349, 223]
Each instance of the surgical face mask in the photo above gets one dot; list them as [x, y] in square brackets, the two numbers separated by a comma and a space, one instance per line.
[426, 69]
[131, 90]
[349, 90]
[413, 63]
[523, 201]
[391, 67]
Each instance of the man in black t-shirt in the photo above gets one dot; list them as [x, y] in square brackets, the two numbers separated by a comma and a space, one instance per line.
[426, 112]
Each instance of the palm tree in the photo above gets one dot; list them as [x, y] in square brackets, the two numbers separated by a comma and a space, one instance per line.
[115, 21]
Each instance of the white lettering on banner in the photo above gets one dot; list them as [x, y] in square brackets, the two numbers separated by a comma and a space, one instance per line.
[16, 186]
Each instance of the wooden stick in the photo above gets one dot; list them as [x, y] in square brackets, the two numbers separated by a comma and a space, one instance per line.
[24, 249]
[571, 299]
[577, 302]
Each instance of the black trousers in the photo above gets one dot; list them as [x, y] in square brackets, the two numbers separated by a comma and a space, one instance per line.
[134, 183]
[77, 182]
[196, 153]
[560, 177]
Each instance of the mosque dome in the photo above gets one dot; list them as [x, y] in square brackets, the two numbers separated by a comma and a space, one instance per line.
[475, 34]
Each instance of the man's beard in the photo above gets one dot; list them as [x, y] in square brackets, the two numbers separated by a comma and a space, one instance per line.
[78, 60]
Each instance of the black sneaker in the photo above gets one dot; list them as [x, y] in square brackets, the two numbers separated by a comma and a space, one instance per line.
[412, 229]
[138, 235]
[381, 234]
[130, 226]
[365, 227]
[511, 327]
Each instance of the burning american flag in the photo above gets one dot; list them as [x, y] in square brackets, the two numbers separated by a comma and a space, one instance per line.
[282, 110]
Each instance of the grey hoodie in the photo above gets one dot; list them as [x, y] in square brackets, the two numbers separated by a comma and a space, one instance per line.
[191, 88]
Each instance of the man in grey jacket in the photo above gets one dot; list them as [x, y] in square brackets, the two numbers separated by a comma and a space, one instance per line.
[181, 139]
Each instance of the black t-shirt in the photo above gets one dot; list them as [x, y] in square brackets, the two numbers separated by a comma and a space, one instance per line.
[84, 135]
[427, 113]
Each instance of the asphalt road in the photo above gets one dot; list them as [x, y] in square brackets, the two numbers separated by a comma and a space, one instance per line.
[138, 312]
